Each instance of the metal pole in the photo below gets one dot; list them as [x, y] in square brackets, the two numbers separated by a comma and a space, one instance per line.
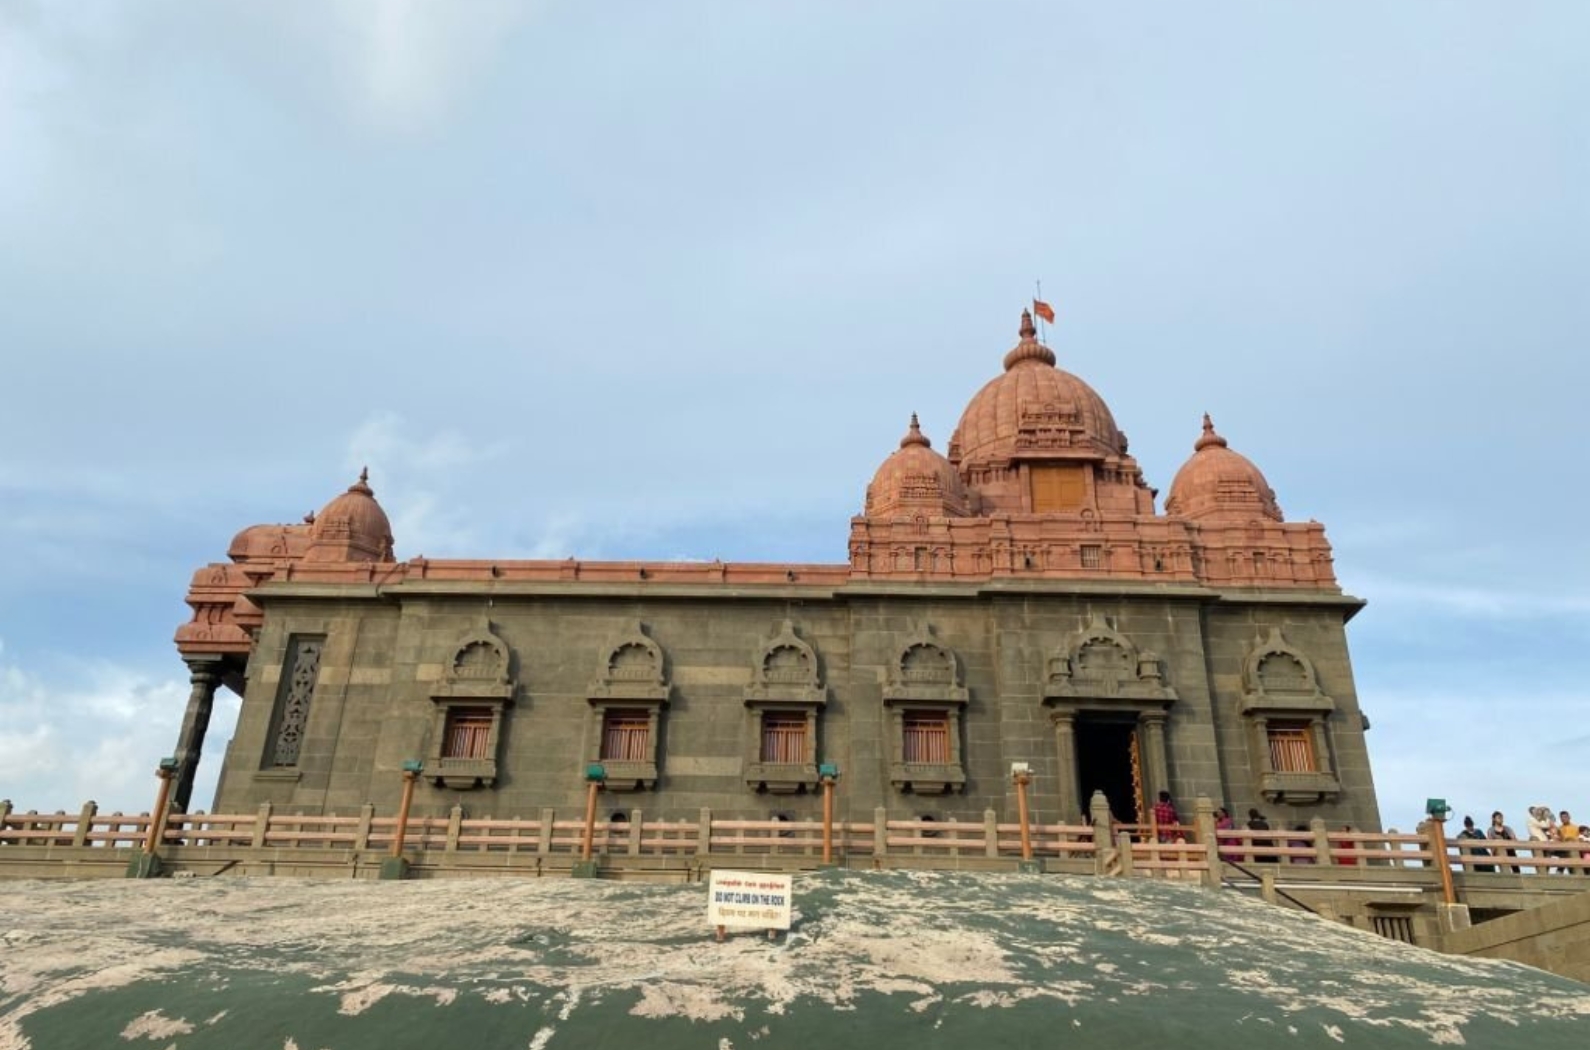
[1438, 847]
[157, 819]
[590, 820]
[1021, 813]
[828, 820]
[409, 777]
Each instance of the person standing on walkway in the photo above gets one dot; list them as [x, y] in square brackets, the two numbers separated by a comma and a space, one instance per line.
[1500, 830]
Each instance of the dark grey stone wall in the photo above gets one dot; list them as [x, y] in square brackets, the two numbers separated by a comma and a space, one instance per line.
[386, 654]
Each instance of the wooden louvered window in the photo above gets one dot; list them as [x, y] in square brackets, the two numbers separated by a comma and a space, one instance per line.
[1292, 748]
[467, 733]
[784, 738]
[626, 736]
[1058, 487]
[926, 738]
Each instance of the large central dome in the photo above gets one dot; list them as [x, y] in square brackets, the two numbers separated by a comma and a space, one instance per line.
[1034, 406]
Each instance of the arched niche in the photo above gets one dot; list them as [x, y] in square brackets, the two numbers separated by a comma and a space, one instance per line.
[627, 698]
[783, 704]
[475, 690]
[923, 699]
[1286, 720]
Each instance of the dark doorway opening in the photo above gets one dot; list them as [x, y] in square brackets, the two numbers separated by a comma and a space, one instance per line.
[1105, 747]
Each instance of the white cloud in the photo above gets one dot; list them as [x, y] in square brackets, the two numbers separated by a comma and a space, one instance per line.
[424, 482]
[1487, 602]
[96, 731]
[409, 61]
[1482, 746]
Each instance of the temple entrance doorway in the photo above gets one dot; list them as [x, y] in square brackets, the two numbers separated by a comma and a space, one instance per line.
[1109, 760]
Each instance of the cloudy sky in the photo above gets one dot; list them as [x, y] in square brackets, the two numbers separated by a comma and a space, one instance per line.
[667, 280]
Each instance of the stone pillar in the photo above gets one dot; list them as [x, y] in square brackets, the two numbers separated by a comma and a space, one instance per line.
[455, 826]
[85, 821]
[361, 837]
[544, 831]
[704, 833]
[1204, 820]
[1065, 746]
[1322, 840]
[1155, 768]
[1099, 808]
[204, 672]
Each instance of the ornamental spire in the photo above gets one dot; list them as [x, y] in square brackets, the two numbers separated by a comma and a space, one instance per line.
[1209, 436]
[914, 436]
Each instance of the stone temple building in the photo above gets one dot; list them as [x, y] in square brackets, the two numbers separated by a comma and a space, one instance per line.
[1016, 597]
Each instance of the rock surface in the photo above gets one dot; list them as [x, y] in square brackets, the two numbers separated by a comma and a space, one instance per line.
[880, 960]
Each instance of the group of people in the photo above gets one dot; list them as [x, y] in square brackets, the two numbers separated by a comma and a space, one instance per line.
[1539, 826]
[1232, 848]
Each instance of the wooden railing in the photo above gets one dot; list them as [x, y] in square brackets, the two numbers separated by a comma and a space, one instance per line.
[1195, 850]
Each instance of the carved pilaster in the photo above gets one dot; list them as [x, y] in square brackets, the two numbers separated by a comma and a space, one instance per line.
[1065, 744]
[1156, 767]
[205, 674]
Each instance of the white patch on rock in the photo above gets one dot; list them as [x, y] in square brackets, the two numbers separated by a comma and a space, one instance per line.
[155, 1025]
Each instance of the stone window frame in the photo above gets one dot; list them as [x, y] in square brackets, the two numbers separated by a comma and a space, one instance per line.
[1298, 703]
[783, 691]
[478, 676]
[633, 675]
[925, 679]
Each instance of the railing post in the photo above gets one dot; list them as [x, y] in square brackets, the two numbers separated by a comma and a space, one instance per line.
[704, 833]
[1099, 808]
[85, 820]
[1437, 846]
[544, 835]
[990, 833]
[1204, 821]
[828, 772]
[880, 834]
[262, 823]
[635, 817]
[1322, 840]
[361, 835]
[1021, 780]
[455, 820]
[1123, 843]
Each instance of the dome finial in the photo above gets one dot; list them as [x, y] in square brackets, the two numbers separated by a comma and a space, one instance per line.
[914, 436]
[1209, 437]
[1029, 349]
[363, 484]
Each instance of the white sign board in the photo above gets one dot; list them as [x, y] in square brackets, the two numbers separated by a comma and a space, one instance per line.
[748, 899]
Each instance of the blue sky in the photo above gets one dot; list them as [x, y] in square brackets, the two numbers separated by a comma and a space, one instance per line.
[667, 280]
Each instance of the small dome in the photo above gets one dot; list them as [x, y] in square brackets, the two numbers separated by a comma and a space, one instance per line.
[352, 527]
[916, 480]
[1030, 405]
[1217, 484]
[269, 543]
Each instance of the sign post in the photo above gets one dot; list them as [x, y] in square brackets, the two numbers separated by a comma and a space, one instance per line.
[749, 900]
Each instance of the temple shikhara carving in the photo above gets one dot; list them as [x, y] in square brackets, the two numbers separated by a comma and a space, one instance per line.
[1016, 597]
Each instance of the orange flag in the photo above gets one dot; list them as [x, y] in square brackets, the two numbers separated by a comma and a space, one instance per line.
[1043, 310]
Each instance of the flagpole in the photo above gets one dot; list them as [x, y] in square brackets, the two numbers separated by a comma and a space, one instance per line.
[1043, 332]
